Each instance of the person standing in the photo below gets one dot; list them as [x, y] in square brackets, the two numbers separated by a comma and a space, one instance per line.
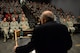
[49, 37]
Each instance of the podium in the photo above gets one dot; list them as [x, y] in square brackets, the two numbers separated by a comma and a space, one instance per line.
[23, 40]
[18, 38]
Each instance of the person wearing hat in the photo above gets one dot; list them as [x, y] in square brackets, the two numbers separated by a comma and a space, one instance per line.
[49, 37]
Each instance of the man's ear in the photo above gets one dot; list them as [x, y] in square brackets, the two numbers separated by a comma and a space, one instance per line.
[44, 20]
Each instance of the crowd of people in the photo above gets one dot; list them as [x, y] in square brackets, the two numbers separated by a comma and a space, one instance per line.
[11, 14]
[66, 18]
[53, 23]
[12, 18]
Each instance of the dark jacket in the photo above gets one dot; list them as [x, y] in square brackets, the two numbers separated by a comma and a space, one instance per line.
[50, 37]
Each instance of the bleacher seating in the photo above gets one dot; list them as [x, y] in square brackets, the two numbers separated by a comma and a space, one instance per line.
[33, 10]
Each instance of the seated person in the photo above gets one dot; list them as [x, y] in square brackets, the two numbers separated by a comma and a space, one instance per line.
[13, 26]
[23, 25]
[70, 26]
[5, 29]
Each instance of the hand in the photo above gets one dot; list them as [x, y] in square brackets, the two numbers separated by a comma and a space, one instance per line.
[15, 47]
[24, 27]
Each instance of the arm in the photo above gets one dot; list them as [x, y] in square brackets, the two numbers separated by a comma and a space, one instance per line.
[1, 24]
[30, 46]
[27, 24]
[11, 27]
[8, 25]
[17, 25]
[20, 25]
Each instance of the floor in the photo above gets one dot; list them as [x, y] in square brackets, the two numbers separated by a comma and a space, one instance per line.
[76, 44]
[8, 46]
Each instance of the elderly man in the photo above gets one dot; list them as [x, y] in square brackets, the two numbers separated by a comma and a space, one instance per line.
[5, 29]
[50, 37]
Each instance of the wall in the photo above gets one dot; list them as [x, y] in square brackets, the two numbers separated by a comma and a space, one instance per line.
[46, 1]
[68, 5]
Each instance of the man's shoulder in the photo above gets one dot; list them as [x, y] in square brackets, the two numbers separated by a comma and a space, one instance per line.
[54, 24]
[50, 25]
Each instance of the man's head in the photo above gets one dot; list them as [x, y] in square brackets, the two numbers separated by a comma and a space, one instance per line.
[46, 16]
[13, 19]
[4, 19]
[23, 19]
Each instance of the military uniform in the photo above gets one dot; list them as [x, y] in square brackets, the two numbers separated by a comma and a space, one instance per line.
[14, 26]
[5, 29]
[23, 15]
[24, 25]
[70, 26]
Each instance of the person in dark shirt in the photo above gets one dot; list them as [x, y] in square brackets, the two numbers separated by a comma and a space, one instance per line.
[49, 37]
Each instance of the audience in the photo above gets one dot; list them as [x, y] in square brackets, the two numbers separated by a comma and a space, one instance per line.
[51, 32]
[78, 19]
[13, 10]
[73, 19]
